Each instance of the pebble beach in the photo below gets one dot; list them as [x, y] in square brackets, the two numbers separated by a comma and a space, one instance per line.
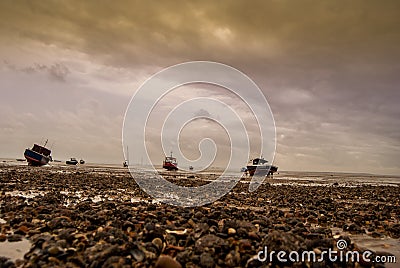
[91, 216]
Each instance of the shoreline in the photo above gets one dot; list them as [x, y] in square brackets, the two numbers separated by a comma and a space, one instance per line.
[7, 162]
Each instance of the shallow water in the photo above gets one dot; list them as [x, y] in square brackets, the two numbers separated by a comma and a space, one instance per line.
[342, 179]
[78, 196]
[14, 250]
[384, 244]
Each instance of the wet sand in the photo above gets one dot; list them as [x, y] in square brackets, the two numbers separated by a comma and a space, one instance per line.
[98, 217]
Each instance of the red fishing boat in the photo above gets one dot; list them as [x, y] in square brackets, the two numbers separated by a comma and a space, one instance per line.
[170, 163]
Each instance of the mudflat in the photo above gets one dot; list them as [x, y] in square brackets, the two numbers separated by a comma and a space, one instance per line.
[98, 217]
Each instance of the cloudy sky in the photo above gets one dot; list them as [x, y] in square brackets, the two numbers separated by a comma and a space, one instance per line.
[329, 70]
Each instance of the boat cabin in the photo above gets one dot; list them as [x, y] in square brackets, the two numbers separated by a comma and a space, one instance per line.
[170, 163]
[41, 150]
[259, 161]
[170, 160]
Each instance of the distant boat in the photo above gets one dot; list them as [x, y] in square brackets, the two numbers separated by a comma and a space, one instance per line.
[190, 167]
[126, 163]
[72, 161]
[81, 161]
[260, 166]
[170, 163]
[38, 155]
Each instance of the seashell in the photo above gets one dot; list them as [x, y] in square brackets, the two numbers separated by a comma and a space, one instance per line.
[177, 232]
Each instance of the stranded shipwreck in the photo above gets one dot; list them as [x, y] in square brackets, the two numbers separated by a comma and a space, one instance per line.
[38, 155]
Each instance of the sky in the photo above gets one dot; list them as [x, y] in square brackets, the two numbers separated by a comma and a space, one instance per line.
[329, 70]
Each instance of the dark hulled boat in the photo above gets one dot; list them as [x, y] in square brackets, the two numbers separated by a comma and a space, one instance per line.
[260, 167]
[126, 163]
[38, 155]
[72, 161]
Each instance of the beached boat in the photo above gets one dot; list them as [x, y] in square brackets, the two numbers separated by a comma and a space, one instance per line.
[81, 161]
[170, 163]
[260, 167]
[126, 163]
[72, 161]
[38, 155]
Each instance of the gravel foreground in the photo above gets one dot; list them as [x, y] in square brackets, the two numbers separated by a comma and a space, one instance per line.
[100, 218]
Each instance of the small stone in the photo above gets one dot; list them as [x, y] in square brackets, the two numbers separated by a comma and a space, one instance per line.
[22, 230]
[158, 243]
[19, 262]
[231, 231]
[376, 235]
[312, 219]
[232, 259]
[198, 215]
[209, 241]
[54, 260]
[184, 257]
[244, 245]
[137, 254]
[253, 235]
[53, 250]
[191, 223]
[14, 238]
[354, 228]
[317, 251]
[36, 221]
[6, 262]
[149, 226]
[165, 261]
[3, 237]
[206, 260]
[62, 243]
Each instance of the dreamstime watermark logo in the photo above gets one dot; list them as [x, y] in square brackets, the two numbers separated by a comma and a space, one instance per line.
[340, 255]
[138, 135]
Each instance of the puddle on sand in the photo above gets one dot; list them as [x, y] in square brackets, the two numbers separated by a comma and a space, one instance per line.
[385, 244]
[14, 250]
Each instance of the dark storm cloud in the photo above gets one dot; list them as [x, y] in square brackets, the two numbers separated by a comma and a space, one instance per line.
[302, 32]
